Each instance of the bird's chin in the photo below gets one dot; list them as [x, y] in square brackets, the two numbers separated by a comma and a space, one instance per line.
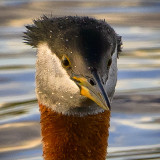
[68, 104]
[79, 105]
[86, 107]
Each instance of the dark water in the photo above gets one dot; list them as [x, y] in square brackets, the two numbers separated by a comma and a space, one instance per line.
[135, 122]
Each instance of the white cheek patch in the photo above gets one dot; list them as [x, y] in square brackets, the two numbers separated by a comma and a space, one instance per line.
[52, 80]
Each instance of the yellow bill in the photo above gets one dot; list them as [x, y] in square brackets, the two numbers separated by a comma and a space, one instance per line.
[96, 93]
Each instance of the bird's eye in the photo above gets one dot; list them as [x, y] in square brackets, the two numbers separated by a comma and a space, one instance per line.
[92, 82]
[109, 63]
[65, 61]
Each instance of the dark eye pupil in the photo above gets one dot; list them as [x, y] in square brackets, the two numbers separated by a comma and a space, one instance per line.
[92, 82]
[109, 62]
[65, 62]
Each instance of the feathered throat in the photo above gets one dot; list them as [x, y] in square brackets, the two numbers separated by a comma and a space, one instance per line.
[74, 138]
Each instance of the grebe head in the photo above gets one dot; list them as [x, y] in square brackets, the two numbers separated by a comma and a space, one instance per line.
[76, 69]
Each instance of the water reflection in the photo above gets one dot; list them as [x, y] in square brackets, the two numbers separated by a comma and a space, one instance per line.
[16, 141]
[135, 129]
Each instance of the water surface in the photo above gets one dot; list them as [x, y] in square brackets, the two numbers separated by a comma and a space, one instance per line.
[135, 121]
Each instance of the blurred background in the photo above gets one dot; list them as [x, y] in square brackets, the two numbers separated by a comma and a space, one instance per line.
[135, 121]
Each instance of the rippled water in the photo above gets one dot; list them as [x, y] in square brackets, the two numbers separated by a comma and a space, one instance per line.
[135, 122]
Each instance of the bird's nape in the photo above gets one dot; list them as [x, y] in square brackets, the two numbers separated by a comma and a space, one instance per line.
[76, 75]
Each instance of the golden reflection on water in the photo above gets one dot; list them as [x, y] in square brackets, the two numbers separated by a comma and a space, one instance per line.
[12, 136]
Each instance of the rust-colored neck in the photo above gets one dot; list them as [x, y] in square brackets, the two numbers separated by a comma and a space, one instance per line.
[74, 138]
